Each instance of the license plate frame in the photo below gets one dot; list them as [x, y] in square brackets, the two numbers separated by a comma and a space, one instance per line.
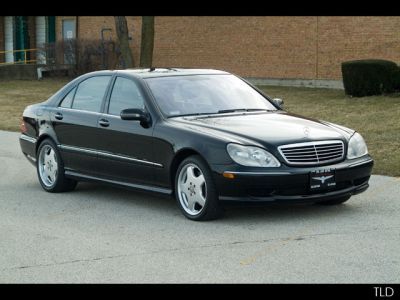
[323, 179]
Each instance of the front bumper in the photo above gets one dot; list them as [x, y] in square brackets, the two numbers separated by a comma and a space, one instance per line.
[290, 184]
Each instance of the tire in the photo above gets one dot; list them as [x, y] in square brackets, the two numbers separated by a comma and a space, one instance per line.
[195, 190]
[335, 201]
[50, 169]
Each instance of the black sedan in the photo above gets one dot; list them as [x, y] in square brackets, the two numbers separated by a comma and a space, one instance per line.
[204, 136]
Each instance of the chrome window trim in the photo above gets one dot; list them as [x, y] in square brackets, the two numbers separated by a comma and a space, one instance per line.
[27, 138]
[109, 155]
[305, 144]
[80, 110]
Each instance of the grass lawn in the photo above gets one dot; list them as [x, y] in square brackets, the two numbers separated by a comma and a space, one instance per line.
[15, 95]
[377, 118]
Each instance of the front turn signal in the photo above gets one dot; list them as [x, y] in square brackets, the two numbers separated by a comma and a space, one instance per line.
[229, 175]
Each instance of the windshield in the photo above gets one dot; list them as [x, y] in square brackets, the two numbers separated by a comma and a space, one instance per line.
[205, 94]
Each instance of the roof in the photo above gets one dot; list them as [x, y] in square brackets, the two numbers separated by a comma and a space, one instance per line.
[163, 72]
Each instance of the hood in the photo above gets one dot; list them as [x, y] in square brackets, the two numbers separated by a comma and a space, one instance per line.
[272, 128]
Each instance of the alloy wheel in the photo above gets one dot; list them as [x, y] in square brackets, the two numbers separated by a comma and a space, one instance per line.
[192, 189]
[48, 166]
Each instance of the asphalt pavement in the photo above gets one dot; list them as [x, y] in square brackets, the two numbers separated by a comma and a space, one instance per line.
[104, 234]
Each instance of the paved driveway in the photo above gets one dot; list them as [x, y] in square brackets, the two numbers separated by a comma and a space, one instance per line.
[105, 234]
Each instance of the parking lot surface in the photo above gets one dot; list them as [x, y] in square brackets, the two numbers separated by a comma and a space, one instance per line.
[108, 235]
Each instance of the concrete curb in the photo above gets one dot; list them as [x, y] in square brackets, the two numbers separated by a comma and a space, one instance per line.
[311, 83]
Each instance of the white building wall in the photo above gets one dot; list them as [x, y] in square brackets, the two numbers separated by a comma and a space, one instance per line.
[40, 39]
[9, 38]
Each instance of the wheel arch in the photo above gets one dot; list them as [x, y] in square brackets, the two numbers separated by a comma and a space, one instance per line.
[41, 139]
[178, 158]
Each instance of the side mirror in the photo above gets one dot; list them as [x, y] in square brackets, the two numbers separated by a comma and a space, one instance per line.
[135, 114]
[278, 102]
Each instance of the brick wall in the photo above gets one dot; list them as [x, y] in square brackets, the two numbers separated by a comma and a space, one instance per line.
[266, 47]
[347, 38]
[89, 28]
[254, 47]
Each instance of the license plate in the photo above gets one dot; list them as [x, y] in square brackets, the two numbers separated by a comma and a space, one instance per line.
[322, 179]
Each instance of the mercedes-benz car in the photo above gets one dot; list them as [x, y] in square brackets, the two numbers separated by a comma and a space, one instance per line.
[202, 136]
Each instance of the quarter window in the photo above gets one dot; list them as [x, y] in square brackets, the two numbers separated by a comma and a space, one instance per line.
[90, 93]
[125, 94]
[66, 102]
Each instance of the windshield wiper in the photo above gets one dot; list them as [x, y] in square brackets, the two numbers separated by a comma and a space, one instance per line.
[242, 109]
[223, 111]
[193, 114]
[260, 109]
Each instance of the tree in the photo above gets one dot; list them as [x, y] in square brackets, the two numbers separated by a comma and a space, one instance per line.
[123, 39]
[147, 43]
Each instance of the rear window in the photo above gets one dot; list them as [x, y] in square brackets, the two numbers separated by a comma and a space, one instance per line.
[90, 93]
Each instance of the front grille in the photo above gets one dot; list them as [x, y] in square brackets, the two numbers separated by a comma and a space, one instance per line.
[312, 153]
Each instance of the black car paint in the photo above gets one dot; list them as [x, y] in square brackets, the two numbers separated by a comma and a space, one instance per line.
[146, 157]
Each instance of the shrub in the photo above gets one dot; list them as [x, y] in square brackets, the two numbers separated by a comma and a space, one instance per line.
[396, 79]
[77, 57]
[369, 77]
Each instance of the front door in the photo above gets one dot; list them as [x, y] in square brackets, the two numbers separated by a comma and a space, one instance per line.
[69, 36]
[126, 152]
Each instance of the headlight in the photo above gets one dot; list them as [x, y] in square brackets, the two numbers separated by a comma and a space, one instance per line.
[357, 147]
[251, 156]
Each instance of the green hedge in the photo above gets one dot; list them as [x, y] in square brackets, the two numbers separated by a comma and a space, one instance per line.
[396, 79]
[369, 77]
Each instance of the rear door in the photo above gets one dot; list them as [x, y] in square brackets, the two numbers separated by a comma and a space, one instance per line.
[75, 122]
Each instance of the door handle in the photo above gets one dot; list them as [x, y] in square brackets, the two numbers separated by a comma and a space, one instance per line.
[104, 122]
[59, 116]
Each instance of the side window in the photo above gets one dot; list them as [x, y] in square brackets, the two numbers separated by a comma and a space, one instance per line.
[67, 101]
[90, 93]
[125, 94]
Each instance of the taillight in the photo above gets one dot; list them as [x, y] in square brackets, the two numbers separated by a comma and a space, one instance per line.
[23, 126]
